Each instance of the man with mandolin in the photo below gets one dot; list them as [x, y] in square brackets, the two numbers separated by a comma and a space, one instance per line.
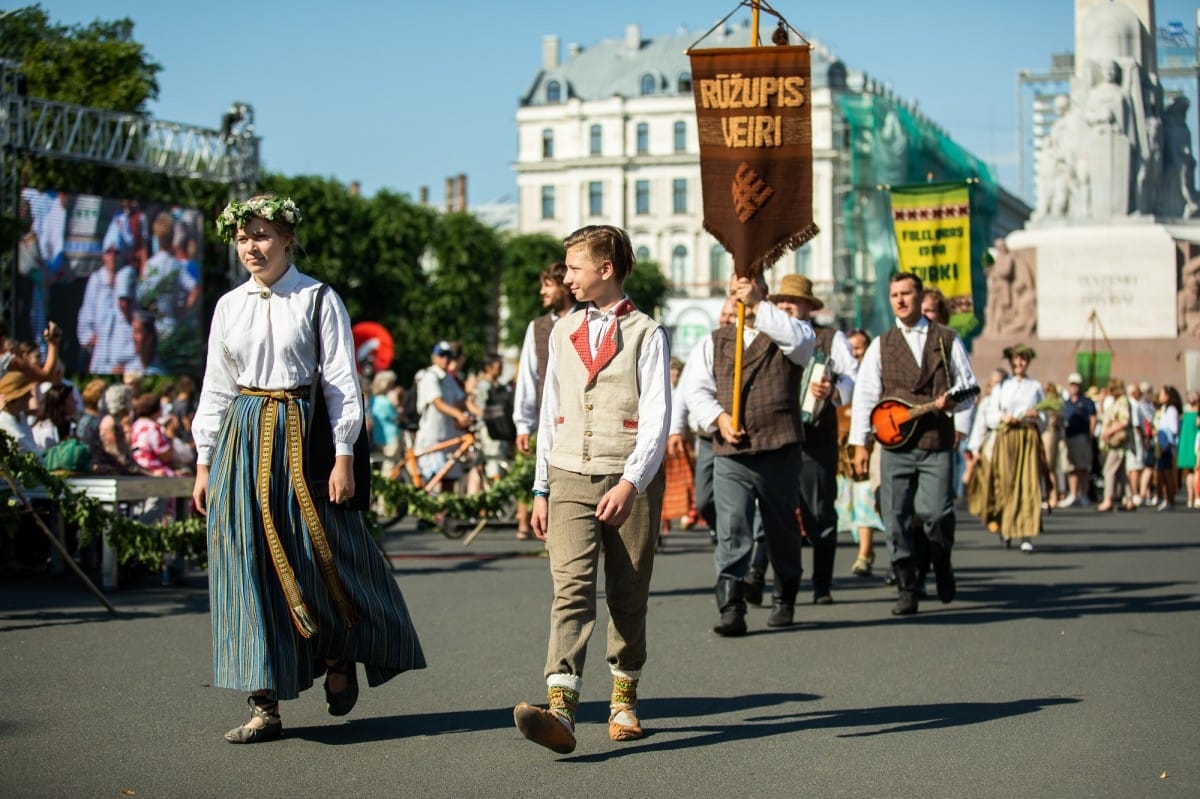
[922, 365]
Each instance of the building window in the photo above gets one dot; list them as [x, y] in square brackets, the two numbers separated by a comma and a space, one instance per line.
[595, 140]
[547, 202]
[643, 254]
[680, 136]
[643, 138]
[718, 271]
[553, 92]
[647, 85]
[679, 275]
[685, 83]
[547, 143]
[803, 261]
[595, 198]
[641, 197]
[679, 195]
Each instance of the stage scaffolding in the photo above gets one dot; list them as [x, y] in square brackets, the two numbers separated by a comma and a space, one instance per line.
[30, 126]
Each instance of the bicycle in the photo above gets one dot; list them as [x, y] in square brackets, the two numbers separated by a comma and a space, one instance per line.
[466, 453]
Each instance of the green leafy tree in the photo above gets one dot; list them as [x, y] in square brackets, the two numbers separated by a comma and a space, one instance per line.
[463, 303]
[525, 256]
[98, 64]
[647, 287]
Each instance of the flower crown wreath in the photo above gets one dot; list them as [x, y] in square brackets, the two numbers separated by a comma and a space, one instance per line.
[237, 214]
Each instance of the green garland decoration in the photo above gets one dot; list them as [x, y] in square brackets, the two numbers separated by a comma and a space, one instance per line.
[144, 543]
[404, 498]
[132, 540]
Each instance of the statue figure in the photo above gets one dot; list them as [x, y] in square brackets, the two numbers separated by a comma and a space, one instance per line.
[1057, 179]
[1150, 165]
[1189, 299]
[1109, 144]
[1177, 197]
[1011, 295]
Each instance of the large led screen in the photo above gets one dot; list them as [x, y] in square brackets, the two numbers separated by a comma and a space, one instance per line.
[121, 277]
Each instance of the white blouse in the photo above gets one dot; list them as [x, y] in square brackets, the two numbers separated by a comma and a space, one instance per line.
[262, 338]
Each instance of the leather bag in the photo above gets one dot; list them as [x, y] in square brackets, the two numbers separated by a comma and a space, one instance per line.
[319, 450]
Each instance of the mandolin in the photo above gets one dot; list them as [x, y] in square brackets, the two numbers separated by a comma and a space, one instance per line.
[893, 420]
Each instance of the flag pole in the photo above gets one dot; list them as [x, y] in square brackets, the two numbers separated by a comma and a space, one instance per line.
[739, 350]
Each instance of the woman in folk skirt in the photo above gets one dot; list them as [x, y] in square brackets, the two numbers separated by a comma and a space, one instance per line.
[297, 586]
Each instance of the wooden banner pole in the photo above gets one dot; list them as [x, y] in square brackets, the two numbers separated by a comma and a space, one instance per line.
[736, 412]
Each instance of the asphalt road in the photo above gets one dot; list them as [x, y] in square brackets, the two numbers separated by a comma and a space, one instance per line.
[1069, 672]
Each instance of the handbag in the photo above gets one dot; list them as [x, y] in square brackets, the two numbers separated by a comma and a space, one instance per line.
[1117, 438]
[319, 450]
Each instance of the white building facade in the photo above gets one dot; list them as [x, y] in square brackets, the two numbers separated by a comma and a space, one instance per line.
[608, 136]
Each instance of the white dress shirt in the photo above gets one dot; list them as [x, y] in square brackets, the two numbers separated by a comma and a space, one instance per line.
[1015, 396]
[844, 366]
[868, 388]
[525, 396]
[794, 338]
[263, 338]
[654, 404]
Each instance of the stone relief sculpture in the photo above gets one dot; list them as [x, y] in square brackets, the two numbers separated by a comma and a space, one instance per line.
[1189, 299]
[1108, 144]
[1114, 150]
[1012, 295]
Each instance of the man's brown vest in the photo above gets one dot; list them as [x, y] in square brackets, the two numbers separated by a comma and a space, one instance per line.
[542, 326]
[824, 433]
[902, 378]
[770, 411]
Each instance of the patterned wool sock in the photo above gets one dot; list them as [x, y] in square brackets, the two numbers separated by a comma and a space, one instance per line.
[624, 698]
[563, 701]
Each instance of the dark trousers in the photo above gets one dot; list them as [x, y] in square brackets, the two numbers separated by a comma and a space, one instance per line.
[760, 481]
[916, 483]
[705, 503]
[818, 492]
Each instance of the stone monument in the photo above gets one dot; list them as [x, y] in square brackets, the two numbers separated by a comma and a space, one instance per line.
[1114, 240]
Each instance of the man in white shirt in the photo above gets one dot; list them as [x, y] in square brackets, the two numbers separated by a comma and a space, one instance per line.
[918, 362]
[441, 401]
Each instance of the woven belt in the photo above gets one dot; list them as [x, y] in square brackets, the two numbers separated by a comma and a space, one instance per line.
[301, 616]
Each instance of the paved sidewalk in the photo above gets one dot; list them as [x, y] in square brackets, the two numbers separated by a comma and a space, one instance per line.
[1069, 672]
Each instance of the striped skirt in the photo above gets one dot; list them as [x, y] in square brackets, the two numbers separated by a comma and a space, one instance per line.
[255, 643]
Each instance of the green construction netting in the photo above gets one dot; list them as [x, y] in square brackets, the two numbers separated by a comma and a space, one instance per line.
[889, 146]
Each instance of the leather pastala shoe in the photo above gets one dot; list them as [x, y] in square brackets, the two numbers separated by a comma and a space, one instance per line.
[623, 723]
[545, 727]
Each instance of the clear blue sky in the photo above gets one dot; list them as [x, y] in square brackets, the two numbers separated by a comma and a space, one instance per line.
[398, 93]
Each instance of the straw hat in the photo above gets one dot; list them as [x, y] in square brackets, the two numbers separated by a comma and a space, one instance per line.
[796, 288]
[14, 385]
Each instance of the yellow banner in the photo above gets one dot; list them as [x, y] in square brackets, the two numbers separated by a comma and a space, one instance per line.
[933, 237]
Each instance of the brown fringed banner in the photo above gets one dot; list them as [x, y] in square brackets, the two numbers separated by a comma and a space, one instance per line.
[755, 126]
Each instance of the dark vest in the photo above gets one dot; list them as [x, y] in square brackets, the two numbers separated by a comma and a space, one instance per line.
[770, 411]
[902, 378]
[541, 347]
[825, 432]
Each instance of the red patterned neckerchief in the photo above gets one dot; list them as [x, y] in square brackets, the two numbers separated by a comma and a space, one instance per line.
[608, 347]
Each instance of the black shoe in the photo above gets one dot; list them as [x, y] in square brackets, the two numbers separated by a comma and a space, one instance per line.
[822, 599]
[782, 615]
[752, 587]
[732, 605]
[943, 574]
[343, 701]
[906, 578]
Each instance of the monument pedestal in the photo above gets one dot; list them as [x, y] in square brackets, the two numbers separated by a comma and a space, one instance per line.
[1111, 287]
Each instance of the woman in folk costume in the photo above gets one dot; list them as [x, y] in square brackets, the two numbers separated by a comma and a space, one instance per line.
[1012, 492]
[298, 587]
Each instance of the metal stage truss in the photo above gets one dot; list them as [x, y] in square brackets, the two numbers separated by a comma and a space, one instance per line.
[31, 126]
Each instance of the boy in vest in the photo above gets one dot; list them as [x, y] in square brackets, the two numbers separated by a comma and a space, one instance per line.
[754, 464]
[599, 482]
[917, 361]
